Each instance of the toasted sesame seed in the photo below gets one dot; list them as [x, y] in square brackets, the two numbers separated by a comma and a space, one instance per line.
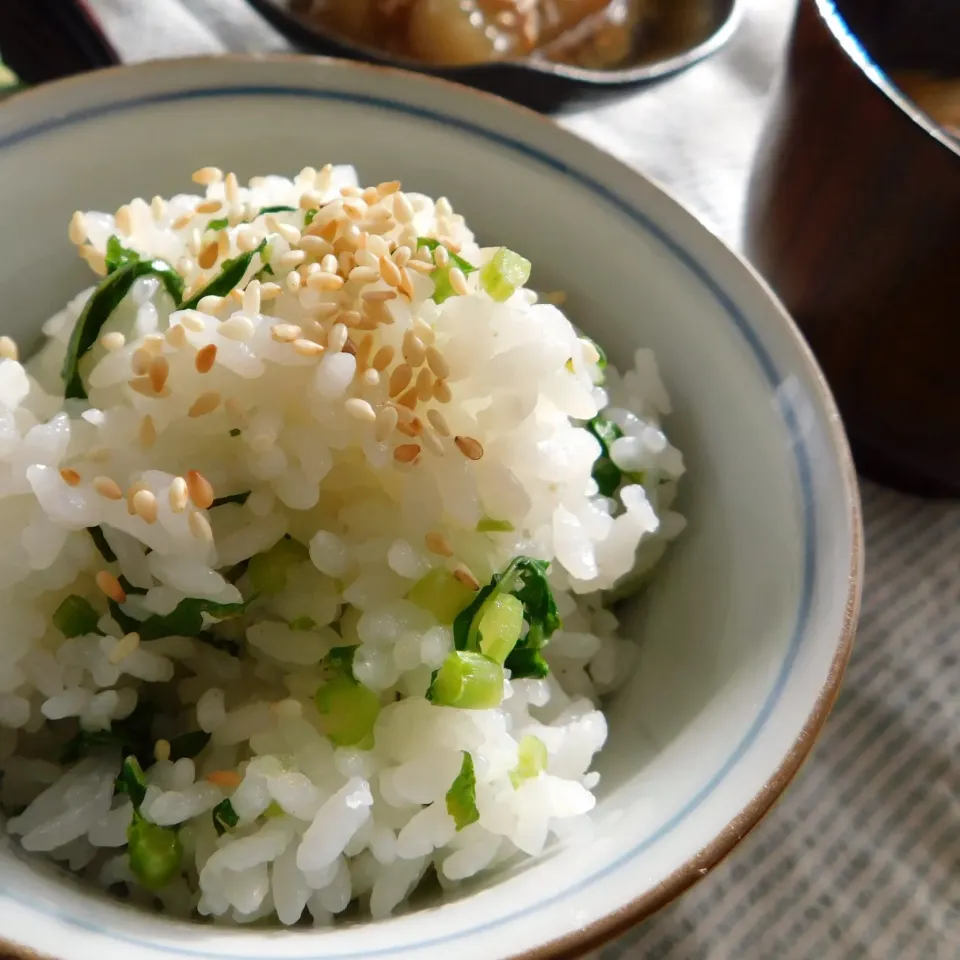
[236, 328]
[409, 399]
[153, 342]
[206, 403]
[418, 266]
[438, 422]
[328, 264]
[270, 291]
[142, 385]
[132, 491]
[293, 281]
[9, 349]
[95, 261]
[441, 391]
[406, 284]
[387, 187]
[107, 487]
[402, 208]
[147, 433]
[371, 377]
[363, 275]
[400, 378]
[378, 296]
[464, 575]
[161, 751]
[438, 544]
[459, 282]
[441, 256]
[208, 206]
[411, 428]
[158, 373]
[231, 188]
[158, 207]
[307, 348]
[406, 452]
[383, 358]
[337, 338]
[324, 282]
[200, 526]
[178, 495]
[364, 349]
[247, 241]
[205, 359]
[182, 221]
[176, 336]
[469, 447]
[424, 331]
[77, 232]
[316, 247]
[109, 586]
[437, 363]
[208, 255]
[145, 505]
[360, 410]
[70, 477]
[350, 319]
[351, 191]
[404, 413]
[413, 349]
[432, 442]
[123, 220]
[192, 322]
[228, 779]
[285, 332]
[390, 272]
[200, 489]
[354, 207]
[207, 175]
[291, 259]
[288, 231]
[122, 649]
[345, 263]
[424, 385]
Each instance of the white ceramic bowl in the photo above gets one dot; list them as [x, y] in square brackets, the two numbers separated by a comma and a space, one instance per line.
[748, 626]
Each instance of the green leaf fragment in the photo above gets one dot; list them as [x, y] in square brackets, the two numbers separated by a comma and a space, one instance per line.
[504, 274]
[500, 625]
[348, 710]
[442, 288]
[118, 255]
[234, 432]
[132, 781]
[219, 224]
[155, 853]
[303, 623]
[224, 817]
[440, 593]
[309, 216]
[75, 617]
[103, 301]
[188, 745]
[462, 795]
[531, 760]
[469, 681]
[527, 663]
[339, 661]
[240, 498]
[132, 736]
[100, 542]
[268, 570]
[489, 525]
[607, 476]
[231, 273]
[277, 209]
[187, 619]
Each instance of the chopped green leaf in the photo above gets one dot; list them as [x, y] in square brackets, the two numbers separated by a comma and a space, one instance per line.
[469, 681]
[231, 273]
[442, 288]
[84, 743]
[100, 542]
[155, 853]
[268, 570]
[188, 745]
[132, 781]
[527, 662]
[266, 271]
[504, 274]
[349, 711]
[224, 817]
[240, 498]
[602, 361]
[500, 626]
[607, 476]
[339, 662]
[103, 301]
[75, 617]
[442, 594]
[531, 760]
[309, 216]
[118, 255]
[462, 795]
[303, 623]
[606, 431]
[489, 525]
[455, 258]
[132, 735]
[234, 432]
[273, 811]
[186, 620]
[277, 209]
[219, 223]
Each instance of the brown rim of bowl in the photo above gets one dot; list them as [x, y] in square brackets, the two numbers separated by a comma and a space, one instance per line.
[836, 24]
[619, 921]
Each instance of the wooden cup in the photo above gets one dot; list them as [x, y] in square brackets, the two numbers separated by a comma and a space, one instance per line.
[853, 215]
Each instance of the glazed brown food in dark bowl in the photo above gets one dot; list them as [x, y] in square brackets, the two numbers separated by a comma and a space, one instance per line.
[852, 215]
[543, 53]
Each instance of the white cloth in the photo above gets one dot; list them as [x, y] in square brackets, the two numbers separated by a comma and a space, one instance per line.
[862, 857]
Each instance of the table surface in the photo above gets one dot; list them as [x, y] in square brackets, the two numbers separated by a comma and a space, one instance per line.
[862, 857]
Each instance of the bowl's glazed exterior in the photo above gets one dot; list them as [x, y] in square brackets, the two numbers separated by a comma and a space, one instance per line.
[853, 217]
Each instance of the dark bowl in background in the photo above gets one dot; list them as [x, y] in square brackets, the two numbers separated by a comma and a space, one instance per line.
[854, 217]
[535, 83]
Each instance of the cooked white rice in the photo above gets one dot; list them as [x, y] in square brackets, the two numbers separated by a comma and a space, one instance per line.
[378, 430]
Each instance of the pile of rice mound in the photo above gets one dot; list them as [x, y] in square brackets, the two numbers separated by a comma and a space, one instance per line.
[309, 508]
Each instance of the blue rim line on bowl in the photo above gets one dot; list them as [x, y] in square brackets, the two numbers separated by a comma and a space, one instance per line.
[763, 358]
